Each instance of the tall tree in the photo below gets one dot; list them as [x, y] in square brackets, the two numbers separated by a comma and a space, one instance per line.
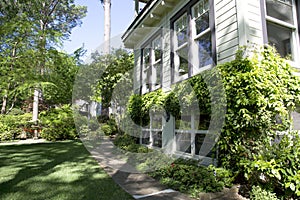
[107, 25]
[48, 23]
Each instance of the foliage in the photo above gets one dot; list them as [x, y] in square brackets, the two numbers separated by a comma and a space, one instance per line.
[30, 32]
[106, 129]
[188, 176]
[276, 166]
[260, 91]
[110, 127]
[11, 126]
[139, 106]
[58, 124]
[257, 193]
[223, 176]
[128, 143]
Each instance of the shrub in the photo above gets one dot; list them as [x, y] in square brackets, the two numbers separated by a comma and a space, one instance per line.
[58, 124]
[257, 193]
[187, 176]
[11, 126]
[16, 111]
[276, 167]
[107, 130]
[128, 143]
[260, 91]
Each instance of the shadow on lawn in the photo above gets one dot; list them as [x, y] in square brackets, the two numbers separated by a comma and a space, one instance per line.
[63, 170]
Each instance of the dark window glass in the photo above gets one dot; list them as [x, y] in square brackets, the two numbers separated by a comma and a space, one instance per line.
[282, 10]
[281, 38]
[204, 50]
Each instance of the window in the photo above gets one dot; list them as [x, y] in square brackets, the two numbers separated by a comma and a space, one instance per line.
[281, 27]
[202, 34]
[181, 45]
[152, 134]
[151, 65]
[192, 44]
[190, 132]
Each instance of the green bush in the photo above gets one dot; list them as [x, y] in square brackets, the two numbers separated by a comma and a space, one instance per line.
[16, 111]
[58, 124]
[187, 176]
[128, 143]
[257, 193]
[107, 130]
[11, 126]
[276, 167]
[261, 91]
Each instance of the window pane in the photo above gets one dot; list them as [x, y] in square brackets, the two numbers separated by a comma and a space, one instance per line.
[183, 142]
[147, 77]
[199, 139]
[184, 123]
[204, 50]
[202, 122]
[281, 38]
[157, 49]
[202, 23]
[181, 30]
[157, 122]
[146, 137]
[183, 61]
[281, 10]
[157, 139]
[147, 56]
[157, 69]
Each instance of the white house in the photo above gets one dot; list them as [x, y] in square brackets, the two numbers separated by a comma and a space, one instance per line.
[176, 39]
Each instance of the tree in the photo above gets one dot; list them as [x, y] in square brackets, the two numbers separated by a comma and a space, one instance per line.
[32, 30]
[107, 26]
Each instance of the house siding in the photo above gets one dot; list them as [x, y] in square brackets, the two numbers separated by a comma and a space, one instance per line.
[227, 36]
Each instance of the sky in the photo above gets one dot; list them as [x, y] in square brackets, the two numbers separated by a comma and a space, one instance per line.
[91, 32]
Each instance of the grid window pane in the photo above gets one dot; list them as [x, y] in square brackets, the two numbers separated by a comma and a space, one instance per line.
[281, 38]
[157, 139]
[183, 61]
[183, 142]
[181, 30]
[157, 49]
[157, 69]
[204, 50]
[202, 23]
[146, 137]
[282, 10]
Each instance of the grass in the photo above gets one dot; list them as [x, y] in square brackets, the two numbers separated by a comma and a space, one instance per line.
[61, 170]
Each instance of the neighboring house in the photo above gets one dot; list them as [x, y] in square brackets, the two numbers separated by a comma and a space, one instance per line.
[195, 35]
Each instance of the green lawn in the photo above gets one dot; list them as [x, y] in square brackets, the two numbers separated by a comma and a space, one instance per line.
[62, 170]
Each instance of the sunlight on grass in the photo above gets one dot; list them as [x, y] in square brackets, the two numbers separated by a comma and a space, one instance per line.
[62, 170]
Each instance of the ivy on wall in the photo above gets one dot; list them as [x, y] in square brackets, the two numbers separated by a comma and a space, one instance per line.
[259, 92]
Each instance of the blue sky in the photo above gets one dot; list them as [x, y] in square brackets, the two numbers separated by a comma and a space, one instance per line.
[91, 31]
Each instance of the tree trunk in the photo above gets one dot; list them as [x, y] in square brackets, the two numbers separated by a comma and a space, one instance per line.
[4, 103]
[107, 25]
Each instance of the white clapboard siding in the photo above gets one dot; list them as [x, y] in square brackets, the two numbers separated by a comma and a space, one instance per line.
[254, 21]
[227, 35]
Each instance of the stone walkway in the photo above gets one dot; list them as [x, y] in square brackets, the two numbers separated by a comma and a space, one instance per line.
[139, 185]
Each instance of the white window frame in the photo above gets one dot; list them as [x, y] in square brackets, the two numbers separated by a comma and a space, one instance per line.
[191, 44]
[149, 82]
[293, 27]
